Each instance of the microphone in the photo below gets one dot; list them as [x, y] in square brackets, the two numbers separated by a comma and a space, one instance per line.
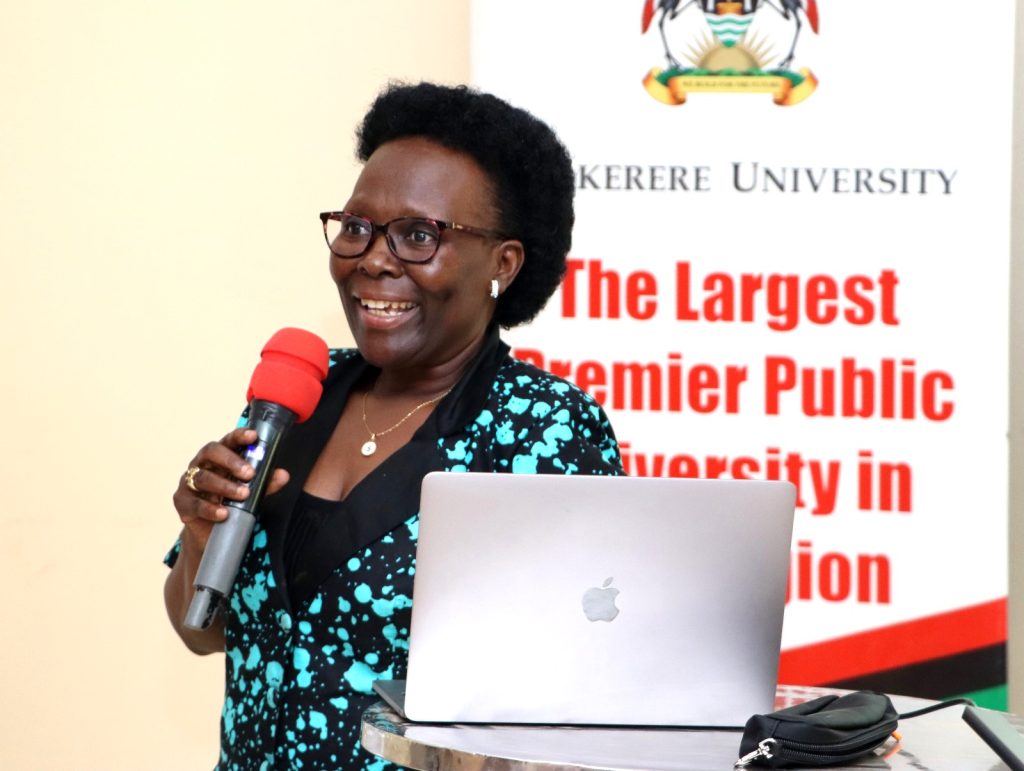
[284, 389]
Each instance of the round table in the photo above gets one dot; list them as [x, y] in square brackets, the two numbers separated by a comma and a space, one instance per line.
[938, 741]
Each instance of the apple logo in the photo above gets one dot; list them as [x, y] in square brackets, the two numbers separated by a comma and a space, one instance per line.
[599, 602]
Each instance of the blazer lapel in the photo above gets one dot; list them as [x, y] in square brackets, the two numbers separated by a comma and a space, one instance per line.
[297, 453]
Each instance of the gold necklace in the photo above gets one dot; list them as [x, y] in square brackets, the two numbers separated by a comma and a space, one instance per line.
[370, 446]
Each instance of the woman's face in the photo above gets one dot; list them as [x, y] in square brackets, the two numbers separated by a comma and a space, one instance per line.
[408, 316]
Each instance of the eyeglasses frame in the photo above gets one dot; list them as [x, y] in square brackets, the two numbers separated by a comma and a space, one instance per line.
[382, 228]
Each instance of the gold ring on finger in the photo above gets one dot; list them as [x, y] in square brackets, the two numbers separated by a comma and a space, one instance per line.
[190, 478]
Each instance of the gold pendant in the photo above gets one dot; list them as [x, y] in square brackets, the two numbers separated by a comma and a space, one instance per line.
[369, 448]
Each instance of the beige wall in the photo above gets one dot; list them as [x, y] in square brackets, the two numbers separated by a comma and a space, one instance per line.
[161, 169]
[1016, 429]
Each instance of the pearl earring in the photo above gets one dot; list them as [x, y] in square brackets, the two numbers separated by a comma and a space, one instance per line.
[494, 288]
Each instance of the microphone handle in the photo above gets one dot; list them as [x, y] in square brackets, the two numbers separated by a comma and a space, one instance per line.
[230, 538]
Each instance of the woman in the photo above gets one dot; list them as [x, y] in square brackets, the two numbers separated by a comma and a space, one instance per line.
[459, 223]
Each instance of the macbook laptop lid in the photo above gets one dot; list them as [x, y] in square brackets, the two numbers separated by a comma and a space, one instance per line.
[597, 600]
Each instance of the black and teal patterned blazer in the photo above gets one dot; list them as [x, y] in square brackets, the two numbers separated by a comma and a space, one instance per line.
[301, 660]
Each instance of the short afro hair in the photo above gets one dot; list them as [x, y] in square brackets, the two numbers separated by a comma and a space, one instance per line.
[527, 164]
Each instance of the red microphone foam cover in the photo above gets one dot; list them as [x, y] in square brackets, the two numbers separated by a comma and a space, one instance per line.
[292, 364]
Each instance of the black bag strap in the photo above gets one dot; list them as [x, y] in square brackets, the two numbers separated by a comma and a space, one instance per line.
[937, 706]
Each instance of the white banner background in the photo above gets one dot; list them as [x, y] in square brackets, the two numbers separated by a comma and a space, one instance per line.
[901, 87]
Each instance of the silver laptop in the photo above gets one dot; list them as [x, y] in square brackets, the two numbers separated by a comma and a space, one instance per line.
[597, 600]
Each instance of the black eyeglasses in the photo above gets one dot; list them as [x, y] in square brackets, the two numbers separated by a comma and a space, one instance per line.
[410, 239]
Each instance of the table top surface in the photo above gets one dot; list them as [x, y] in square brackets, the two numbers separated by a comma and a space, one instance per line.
[938, 741]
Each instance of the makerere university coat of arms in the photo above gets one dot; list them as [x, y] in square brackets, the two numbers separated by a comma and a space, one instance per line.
[723, 57]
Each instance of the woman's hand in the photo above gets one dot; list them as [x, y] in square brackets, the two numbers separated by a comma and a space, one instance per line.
[217, 473]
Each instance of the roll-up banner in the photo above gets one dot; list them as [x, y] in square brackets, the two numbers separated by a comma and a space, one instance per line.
[791, 261]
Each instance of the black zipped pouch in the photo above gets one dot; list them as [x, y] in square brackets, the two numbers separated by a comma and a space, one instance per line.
[821, 732]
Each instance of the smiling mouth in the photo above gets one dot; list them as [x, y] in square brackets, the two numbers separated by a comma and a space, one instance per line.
[385, 308]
